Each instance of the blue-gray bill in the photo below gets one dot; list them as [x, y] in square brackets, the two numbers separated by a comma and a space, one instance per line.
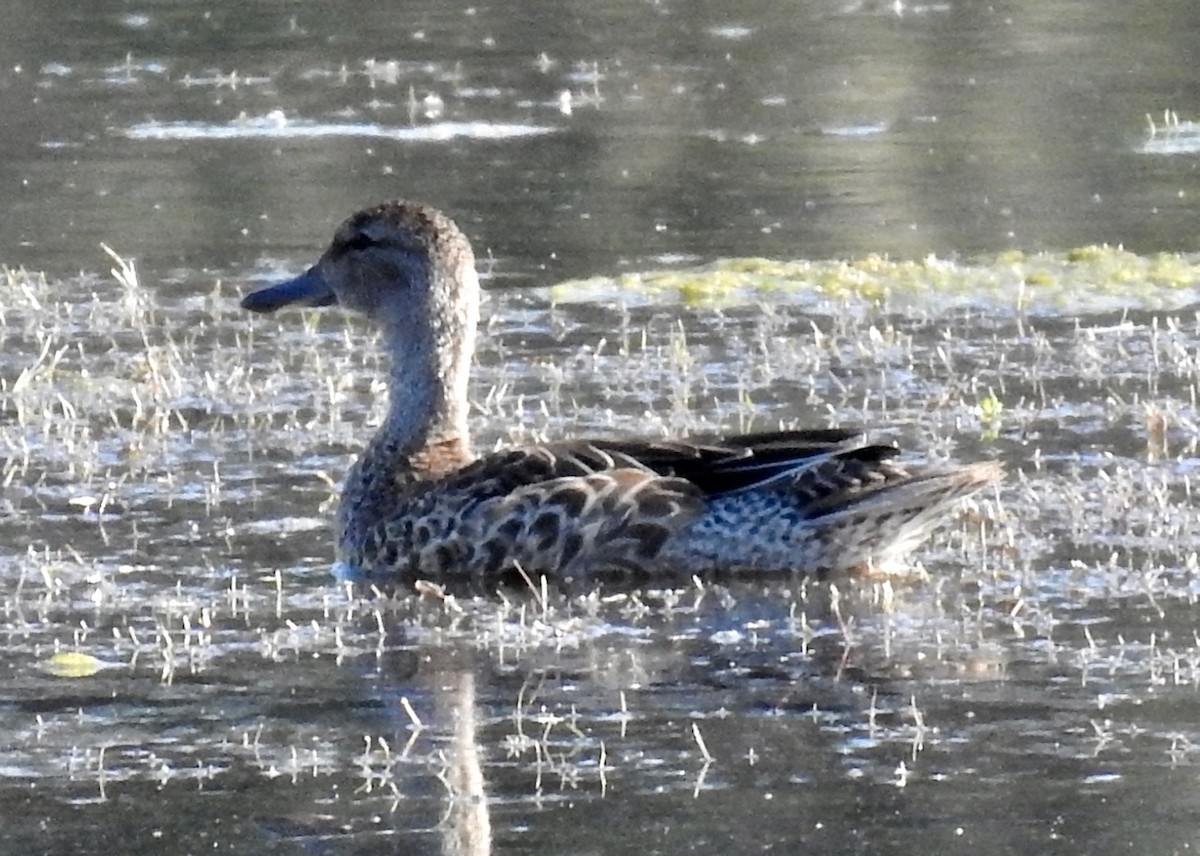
[307, 289]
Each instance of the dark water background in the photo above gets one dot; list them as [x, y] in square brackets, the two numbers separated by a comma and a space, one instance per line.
[786, 130]
[169, 463]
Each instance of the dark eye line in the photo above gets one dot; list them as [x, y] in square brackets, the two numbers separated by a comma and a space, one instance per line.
[359, 241]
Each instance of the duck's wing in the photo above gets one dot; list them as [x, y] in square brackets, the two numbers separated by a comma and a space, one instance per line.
[564, 507]
[825, 504]
[834, 483]
[575, 507]
[749, 461]
[712, 468]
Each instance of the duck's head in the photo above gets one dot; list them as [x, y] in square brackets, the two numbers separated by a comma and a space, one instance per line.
[400, 264]
[408, 268]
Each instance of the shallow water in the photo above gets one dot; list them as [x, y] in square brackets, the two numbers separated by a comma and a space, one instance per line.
[182, 675]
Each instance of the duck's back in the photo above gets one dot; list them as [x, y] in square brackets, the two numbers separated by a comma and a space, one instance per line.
[808, 501]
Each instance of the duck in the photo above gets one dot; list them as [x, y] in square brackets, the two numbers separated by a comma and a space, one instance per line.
[419, 504]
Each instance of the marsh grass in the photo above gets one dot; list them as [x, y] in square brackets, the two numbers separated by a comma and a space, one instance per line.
[170, 466]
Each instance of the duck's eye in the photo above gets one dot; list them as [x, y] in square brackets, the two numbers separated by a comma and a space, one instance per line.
[359, 241]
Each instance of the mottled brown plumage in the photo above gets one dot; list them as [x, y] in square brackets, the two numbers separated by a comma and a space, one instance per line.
[418, 504]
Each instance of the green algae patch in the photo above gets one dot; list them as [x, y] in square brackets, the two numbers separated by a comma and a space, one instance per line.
[72, 664]
[1090, 278]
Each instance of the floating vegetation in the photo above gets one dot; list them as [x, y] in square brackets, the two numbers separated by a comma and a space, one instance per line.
[1084, 280]
[70, 664]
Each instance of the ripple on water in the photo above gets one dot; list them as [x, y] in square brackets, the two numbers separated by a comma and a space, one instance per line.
[277, 126]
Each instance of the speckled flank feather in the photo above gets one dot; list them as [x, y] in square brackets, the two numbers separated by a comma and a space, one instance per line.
[838, 515]
[418, 505]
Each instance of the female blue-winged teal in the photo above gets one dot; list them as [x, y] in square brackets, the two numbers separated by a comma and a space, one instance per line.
[419, 504]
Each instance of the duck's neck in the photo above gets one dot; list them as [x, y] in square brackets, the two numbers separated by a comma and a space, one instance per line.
[426, 425]
[423, 437]
[430, 341]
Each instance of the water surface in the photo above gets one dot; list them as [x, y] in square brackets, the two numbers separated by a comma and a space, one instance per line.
[182, 674]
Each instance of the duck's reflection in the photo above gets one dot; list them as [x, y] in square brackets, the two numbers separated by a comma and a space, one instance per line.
[466, 828]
